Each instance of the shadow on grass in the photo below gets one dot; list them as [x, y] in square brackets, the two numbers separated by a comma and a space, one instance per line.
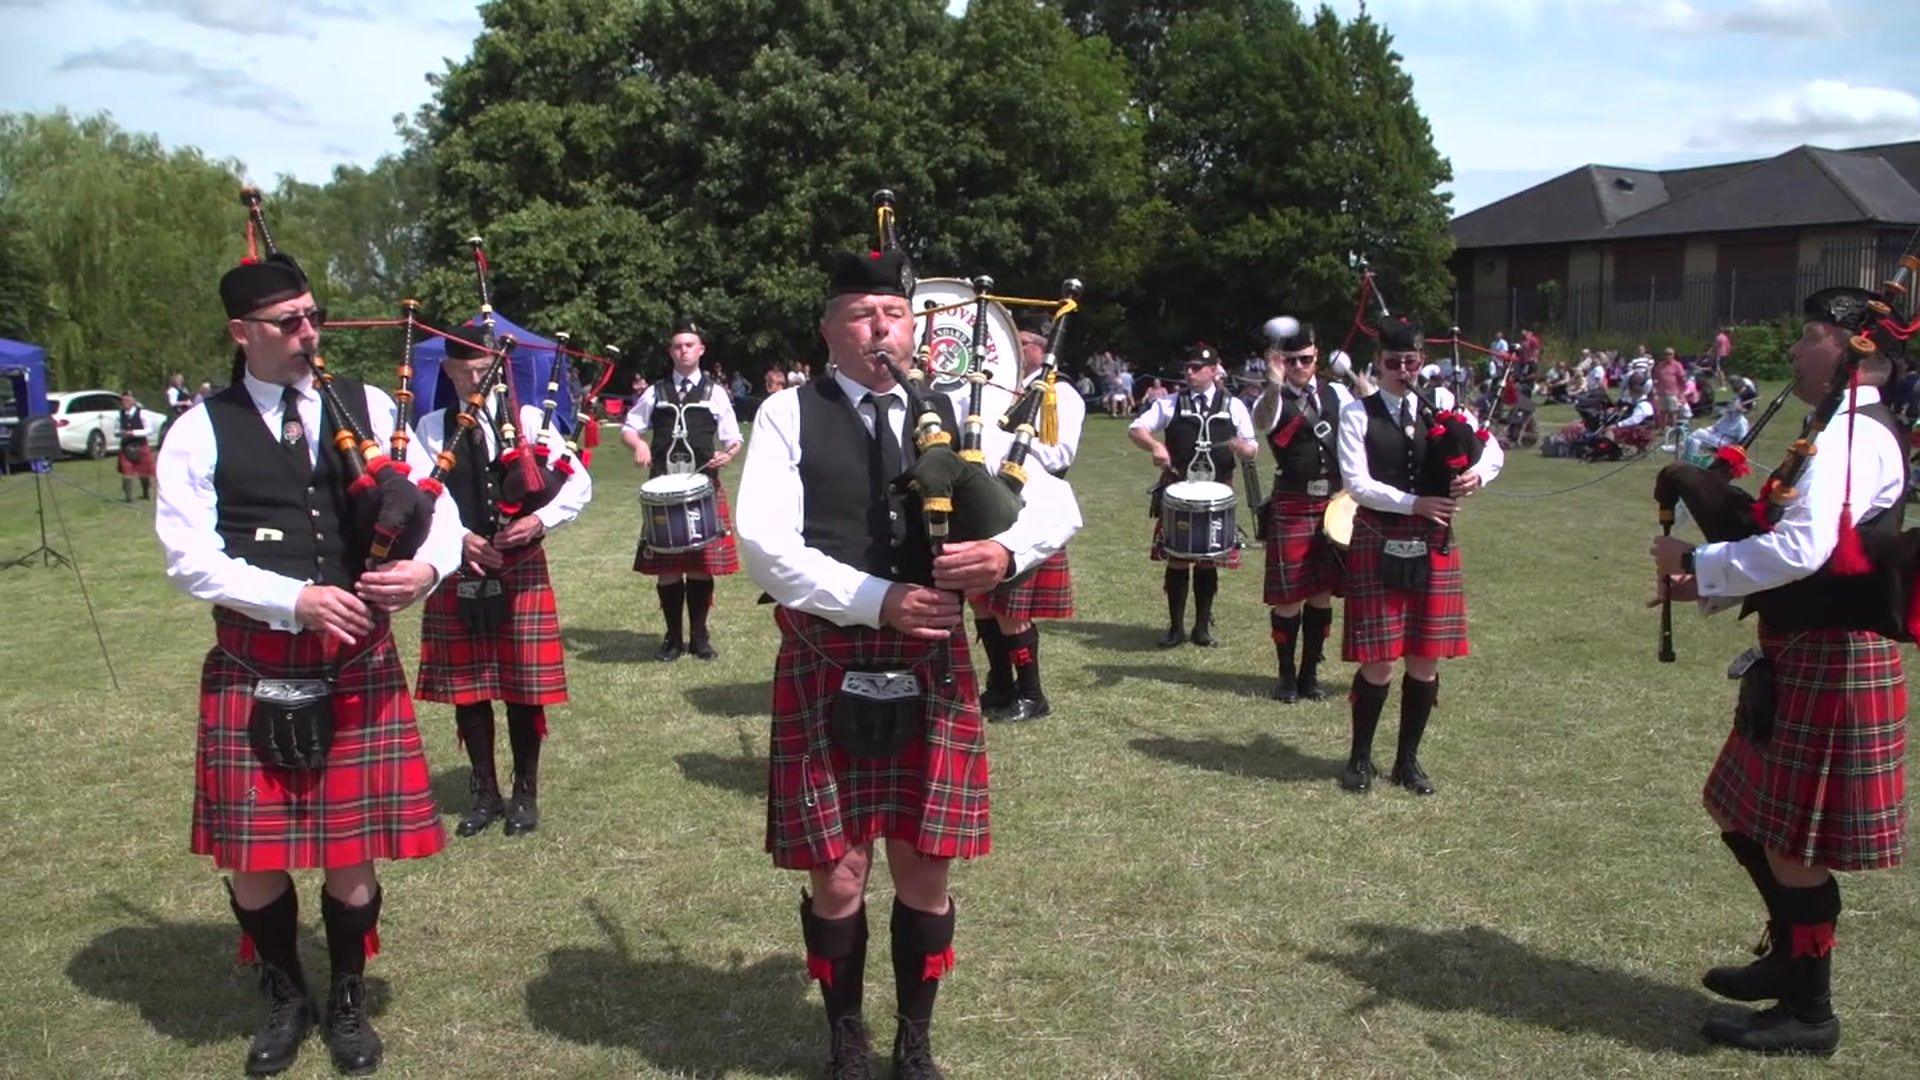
[451, 790]
[1115, 637]
[182, 977]
[1265, 758]
[684, 1017]
[1241, 683]
[593, 646]
[1476, 969]
[739, 774]
[750, 699]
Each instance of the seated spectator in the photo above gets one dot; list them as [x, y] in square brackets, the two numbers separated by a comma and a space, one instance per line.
[1728, 428]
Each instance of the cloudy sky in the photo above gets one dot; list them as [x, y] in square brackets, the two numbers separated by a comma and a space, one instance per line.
[1517, 90]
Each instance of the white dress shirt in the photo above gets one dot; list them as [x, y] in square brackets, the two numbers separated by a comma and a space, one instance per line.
[186, 509]
[640, 417]
[574, 494]
[769, 514]
[1375, 495]
[1157, 416]
[1804, 537]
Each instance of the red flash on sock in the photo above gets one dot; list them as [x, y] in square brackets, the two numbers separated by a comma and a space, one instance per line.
[937, 965]
[247, 953]
[820, 968]
[1815, 939]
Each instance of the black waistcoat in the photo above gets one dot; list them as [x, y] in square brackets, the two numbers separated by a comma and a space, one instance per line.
[1183, 434]
[130, 424]
[1394, 457]
[259, 494]
[1825, 600]
[851, 510]
[470, 481]
[1304, 457]
[702, 425]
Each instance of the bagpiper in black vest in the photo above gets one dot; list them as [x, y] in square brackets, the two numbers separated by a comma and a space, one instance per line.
[851, 509]
[1306, 449]
[471, 481]
[703, 425]
[1183, 433]
[278, 514]
[1825, 600]
[131, 423]
[1396, 452]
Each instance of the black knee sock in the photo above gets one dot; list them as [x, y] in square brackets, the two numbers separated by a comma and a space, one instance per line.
[1367, 700]
[999, 666]
[1315, 624]
[1176, 589]
[699, 603]
[1811, 915]
[922, 956]
[146, 488]
[836, 957]
[353, 933]
[1206, 582]
[673, 595]
[1286, 630]
[475, 724]
[526, 727]
[1023, 652]
[1416, 705]
[272, 930]
[1753, 859]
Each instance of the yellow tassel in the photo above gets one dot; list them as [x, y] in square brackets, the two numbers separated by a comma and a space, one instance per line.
[1050, 413]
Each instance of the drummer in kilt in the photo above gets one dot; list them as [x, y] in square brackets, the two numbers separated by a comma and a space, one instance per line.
[492, 633]
[136, 449]
[1299, 414]
[1405, 594]
[1815, 783]
[713, 433]
[1005, 617]
[863, 605]
[254, 517]
[1178, 419]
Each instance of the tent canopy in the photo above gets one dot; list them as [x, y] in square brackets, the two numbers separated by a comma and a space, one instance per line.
[533, 358]
[25, 366]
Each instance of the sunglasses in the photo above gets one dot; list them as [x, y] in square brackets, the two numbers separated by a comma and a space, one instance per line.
[1303, 360]
[1396, 362]
[1195, 365]
[290, 324]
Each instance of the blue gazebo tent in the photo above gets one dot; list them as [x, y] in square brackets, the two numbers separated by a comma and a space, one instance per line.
[533, 357]
[25, 366]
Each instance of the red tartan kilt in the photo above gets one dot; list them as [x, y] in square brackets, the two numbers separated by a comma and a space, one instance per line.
[1386, 624]
[373, 800]
[136, 460]
[522, 663]
[717, 559]
[821, 801]
[1829, 786]
[1301, 563]
[1046, 592]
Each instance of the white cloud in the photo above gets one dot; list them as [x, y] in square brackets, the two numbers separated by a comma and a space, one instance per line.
[1821, 110]
[248, 17]
[1776, 18]
[198, 81]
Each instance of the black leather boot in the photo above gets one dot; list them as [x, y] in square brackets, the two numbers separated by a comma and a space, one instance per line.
[1367, 702]
[289, 1017]
[476, 732]
[351, 1040]
[1803, 1022]
[1176, 583]
[1286, 630]
[523, 729]
[523, 813]
[1416, 706]
[673, 600]
[1315, 622]
[837, 958]
[913, 1051]
[699, 606]
[850, 1055]
[1764, 979]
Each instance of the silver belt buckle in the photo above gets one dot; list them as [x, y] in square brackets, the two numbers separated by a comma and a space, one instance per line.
[880, 685]
[1319, 489]
[1406, 549]
[1322, 429]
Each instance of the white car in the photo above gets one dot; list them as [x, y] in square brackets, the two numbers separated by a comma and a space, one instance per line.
[89, 422]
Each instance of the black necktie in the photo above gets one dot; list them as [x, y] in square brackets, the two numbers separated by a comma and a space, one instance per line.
[685, 385]
[1406, 416]
[293, 433]
[885, 437]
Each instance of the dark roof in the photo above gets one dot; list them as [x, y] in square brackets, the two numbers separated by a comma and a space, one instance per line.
[1804, 186]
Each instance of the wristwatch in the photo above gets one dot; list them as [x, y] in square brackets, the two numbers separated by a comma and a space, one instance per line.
[1686, 561]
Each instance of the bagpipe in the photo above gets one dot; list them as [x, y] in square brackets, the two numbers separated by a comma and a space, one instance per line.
[392, 512]
[1724, 512]
[526, 475]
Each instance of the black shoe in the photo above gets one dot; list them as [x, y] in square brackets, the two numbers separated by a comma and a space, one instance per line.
[1408, 774]
[289, 1018]
[1775, 1031]
[1359, 775]
[1309, 685]
[848, 1059]
[913, 1053]
[1174, 636]
[704, 649]
[1285, 690]
[350, 1036]
[670, 650]
[1203, 635]
[487, 808]
[994, 698]
[1021, 709]
[523, 812]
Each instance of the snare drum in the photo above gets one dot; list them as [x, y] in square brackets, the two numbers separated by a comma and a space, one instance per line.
[1196, 520]
[679, 512]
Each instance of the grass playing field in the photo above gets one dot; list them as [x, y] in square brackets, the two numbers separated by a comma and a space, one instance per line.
[1178, 886]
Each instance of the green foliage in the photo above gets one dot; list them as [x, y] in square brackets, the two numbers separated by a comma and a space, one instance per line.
[1760, 349]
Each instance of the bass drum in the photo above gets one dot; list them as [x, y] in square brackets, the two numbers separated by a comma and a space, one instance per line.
[1337, 522]
[952, 359]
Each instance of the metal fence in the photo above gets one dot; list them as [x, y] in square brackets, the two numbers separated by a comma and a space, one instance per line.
[1695, 304]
